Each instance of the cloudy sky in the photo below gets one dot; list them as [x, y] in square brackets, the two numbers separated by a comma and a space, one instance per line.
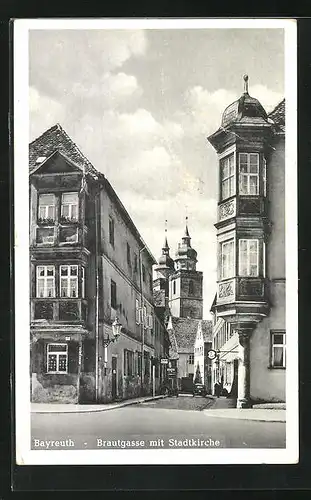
[140, 104]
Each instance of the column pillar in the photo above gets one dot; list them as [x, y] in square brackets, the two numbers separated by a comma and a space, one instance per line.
[244, 370]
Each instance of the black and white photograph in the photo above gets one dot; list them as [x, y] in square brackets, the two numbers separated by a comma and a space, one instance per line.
[155, 226]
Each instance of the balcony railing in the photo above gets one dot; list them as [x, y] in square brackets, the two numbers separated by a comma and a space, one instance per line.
[241, 289]
[63, 310]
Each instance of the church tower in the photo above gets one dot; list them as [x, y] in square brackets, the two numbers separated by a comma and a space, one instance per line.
[162, 271]
[186, 283]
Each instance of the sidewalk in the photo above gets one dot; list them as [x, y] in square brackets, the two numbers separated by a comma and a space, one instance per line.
[225, 408]
[71, 408]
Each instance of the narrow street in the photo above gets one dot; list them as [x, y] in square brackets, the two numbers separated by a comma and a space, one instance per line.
[157, 421]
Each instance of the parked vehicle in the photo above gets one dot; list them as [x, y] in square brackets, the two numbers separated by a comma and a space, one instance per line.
[199, 389]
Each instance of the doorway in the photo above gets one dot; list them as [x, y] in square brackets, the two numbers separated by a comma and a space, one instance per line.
[114, 366]
[234, 388]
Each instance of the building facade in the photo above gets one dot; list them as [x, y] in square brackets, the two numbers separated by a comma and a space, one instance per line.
[249, 308]
[178, 291]
[89, 269]
[202, 345]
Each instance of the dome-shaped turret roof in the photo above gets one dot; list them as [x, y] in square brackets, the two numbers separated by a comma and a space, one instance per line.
[165, 260]
[185, 252]
[246, 109]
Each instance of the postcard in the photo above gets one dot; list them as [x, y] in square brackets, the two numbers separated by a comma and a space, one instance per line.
[155, 216]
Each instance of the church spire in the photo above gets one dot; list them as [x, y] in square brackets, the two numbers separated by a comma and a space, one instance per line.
[165, 246]
[166, 263]
[186, 256]
[186, 235]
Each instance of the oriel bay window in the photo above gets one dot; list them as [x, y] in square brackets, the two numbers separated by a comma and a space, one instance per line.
[227, 259]
[46, 208]
[45, 281]
[248, 257]
[69, 207]
[248, 173]
[57, 358]
[69, 281]
[227, 177]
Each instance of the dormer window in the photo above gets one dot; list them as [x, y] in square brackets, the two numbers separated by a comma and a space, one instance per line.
[46, 211]
[227, 177]
[249, 173]
[70, 203]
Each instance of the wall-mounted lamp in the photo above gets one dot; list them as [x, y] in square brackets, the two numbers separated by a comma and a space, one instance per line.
[116, 330]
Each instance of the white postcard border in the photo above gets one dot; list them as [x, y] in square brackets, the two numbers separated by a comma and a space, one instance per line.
[24, 455]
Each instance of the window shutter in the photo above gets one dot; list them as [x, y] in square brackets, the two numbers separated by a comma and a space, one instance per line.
[150, 321]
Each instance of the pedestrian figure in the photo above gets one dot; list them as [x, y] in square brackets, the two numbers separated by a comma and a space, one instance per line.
[217, 389]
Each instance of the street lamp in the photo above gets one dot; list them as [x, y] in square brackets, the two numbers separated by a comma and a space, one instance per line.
[116, 330]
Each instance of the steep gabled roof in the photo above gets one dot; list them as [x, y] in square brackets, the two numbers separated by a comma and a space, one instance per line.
[56, 139]
[207, 330]
[278, 116]
[183, 332]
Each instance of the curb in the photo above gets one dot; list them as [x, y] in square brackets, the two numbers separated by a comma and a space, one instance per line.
[257, 419]
[128, 402]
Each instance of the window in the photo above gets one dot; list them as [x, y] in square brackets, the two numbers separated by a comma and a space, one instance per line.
[128, 363]
[191, 290]
[150, 284]
[248, 257]
[111, 231]
[191, 359]
[57, 358]
[174, 287]
[278, 348]
[145, 316]
[45, 281]
[46, 210]
[249, 173]
[137, 312]
[83, 282]
[144, 273]
[69, 281]
[227, 177]
[227, 259]
[128, 254]
[113, 294]
[70, 203]
[135, 263]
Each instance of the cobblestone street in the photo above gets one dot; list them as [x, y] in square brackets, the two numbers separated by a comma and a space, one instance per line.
[183, 402]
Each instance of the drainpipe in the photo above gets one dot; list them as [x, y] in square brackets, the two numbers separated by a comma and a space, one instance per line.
[142, 329]
[96, 301]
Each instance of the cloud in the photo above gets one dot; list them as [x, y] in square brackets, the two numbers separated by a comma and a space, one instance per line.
[149, 216]
[205, 108]
[108, 91]
[267, 97]
[64, 61]
[44, 112]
